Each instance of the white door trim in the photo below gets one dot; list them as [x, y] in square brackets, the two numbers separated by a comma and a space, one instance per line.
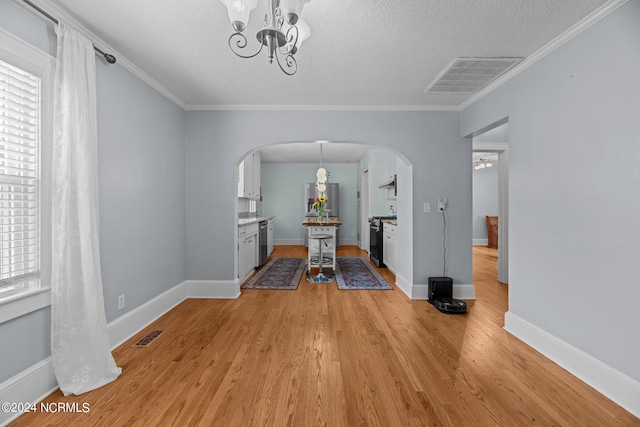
[502, 148]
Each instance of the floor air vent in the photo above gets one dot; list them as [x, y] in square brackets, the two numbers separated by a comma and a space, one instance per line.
[469, 75]
[148, 339]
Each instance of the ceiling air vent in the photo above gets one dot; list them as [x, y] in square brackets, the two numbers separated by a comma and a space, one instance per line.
[469, 75]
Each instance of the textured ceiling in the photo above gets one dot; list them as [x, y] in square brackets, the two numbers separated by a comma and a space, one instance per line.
[363, 53]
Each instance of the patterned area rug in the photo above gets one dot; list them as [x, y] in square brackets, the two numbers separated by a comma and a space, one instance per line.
[279, 273]
[358, 273]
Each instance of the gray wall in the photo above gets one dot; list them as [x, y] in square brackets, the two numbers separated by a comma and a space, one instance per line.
[485, 199]
[574, 188]
[283, 196]
[141, 179]
[142, 169]
[217, 141]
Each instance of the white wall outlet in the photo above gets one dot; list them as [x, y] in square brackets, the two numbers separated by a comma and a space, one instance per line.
[120, 302]
[427, 207]
[442, 204]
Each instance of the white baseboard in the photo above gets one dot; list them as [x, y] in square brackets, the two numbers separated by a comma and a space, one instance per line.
[617, 386]
[460, 291]
[464, 291]
[218, 289]
[38, 381]
[480, 242]
[31, 385]
[129, 324]
[404, 285]
[420, 291]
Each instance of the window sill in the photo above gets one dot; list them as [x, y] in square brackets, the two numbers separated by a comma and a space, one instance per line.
[13, 306]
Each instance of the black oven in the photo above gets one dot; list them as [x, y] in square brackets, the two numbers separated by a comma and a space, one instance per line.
[375, 239]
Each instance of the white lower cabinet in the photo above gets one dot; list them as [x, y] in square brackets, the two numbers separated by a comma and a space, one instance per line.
[247, 250]
[390, 247]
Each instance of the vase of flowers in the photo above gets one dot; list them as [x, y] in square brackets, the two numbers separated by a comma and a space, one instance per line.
[319, 202]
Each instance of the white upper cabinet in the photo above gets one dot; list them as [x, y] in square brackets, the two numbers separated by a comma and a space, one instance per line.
[249, 177]
[256, 176]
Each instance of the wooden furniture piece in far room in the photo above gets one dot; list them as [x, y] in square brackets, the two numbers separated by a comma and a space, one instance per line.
[492, 231]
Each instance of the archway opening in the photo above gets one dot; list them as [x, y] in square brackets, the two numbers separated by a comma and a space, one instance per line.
[286, 166]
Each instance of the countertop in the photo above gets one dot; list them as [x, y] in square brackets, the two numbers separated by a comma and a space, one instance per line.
[390, 221]
[331, 222]
[247, 221]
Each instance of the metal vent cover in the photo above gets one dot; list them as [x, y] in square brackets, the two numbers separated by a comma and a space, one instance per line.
[469, 75]
[148, 339]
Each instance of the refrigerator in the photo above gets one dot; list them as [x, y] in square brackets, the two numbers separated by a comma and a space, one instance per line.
[333, 203]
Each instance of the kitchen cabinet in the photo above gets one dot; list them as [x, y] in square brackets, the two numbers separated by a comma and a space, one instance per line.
[249, 177]
[256, 176]
[390, 246]
[270, 225]
[247, 250]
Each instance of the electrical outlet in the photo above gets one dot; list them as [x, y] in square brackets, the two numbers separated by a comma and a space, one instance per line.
[442, 204]
[120, 302]
[427, 207]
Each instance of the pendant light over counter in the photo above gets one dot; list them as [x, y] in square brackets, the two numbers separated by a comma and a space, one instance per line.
[321, 174]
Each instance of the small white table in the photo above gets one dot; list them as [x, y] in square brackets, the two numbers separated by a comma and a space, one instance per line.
[320, 260]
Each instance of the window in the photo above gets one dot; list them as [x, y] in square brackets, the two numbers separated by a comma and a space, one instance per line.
[25, 135]
[19, 177]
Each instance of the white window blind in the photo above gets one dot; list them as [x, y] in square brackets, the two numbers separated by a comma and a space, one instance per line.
[19, 176]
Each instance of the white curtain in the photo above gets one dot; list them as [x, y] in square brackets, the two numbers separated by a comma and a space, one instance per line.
[81, 354]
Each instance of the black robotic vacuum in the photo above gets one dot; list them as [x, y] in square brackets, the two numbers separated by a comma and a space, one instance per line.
[450, 305]
[441, 296]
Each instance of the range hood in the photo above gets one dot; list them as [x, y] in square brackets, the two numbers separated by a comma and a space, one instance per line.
[390, 183]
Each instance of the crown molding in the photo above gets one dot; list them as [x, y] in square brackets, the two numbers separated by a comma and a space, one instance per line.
[387, 108]
[585, 23]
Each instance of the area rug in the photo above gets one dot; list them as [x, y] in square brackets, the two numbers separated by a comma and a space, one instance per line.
[279, 273]
[358, 273]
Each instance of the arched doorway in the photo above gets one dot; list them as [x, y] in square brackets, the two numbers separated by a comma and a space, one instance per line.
[286, 166]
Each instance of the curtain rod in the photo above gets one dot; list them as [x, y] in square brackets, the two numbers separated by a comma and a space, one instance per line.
[107, 56]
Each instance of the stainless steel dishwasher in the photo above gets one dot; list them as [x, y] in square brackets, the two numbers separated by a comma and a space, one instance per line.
[262, 241]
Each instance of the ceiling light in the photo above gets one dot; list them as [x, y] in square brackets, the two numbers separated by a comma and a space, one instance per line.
[282, 34]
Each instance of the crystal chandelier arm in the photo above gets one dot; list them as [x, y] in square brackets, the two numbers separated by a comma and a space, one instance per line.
[290, 63]
[241, 43]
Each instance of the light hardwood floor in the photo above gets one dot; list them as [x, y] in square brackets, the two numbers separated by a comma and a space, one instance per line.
[322, 356]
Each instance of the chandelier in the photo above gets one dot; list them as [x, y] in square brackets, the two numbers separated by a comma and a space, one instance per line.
[281, 38]
[481, 164]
